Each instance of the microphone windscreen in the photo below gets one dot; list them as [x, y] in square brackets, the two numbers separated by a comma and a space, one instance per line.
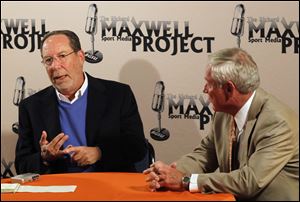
[19, 90]
[237, 26]
[91, 19]
[158, 97]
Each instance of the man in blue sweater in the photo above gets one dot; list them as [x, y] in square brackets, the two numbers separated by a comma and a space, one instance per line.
[79, 123]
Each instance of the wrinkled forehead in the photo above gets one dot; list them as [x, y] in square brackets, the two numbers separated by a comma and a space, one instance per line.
[55, 44]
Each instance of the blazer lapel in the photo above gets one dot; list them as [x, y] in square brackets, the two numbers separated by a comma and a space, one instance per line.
[49, 113]
[96, 104]
[224, 144]
[255, 109]
[245, 138]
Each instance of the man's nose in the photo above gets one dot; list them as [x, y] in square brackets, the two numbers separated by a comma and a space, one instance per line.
[56, 63]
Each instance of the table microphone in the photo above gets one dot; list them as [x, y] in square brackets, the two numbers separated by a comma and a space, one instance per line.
[159, 133]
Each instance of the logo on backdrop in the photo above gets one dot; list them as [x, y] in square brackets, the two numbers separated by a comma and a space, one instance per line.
[92, 56]
[275, 30]
[184, 106]
[237, 25]
[19, 95]
[7, 168]
[154, 36]
[158, 105]
[22, 33]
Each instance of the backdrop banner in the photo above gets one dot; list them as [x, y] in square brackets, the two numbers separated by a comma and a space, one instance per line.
[140, 43]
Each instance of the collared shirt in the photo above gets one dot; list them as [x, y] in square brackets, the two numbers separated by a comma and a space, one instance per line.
[241, 117]
[78, 94]
[240, 120]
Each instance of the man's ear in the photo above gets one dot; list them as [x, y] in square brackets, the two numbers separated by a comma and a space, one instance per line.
[228, 88]
[82, 56]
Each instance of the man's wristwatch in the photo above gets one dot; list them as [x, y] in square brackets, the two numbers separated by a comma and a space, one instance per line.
[186, 182]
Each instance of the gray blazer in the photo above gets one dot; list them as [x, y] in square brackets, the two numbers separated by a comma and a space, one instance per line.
[268, 154]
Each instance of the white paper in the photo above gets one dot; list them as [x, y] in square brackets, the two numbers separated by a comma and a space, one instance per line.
[9, 187]
[55, 189]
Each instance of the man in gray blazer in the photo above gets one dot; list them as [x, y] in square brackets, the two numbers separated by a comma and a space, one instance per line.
[266, 166]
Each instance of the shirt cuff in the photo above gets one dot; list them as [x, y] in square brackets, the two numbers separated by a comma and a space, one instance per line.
[193, 183]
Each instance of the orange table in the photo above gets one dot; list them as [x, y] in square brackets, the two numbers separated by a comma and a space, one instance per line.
[107, 186]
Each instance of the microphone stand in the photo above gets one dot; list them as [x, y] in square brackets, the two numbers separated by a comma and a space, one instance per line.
[93, 56]
[159, 133]
[239, 41]
[159, 120]
[93, 45]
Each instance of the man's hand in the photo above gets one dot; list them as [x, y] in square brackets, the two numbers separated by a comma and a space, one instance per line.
[84, 155]
[162, 175]
[51, 151]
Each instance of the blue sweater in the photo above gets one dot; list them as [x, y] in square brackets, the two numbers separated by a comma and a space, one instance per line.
[72, 120]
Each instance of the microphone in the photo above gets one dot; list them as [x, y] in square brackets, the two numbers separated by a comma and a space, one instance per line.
[237, 25]
[158, 97]
[19, 93]
[157, 105]
[92, 56]
[91, 20]
[19, 90]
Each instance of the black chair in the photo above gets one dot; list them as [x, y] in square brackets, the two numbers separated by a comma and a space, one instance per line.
[149, 158]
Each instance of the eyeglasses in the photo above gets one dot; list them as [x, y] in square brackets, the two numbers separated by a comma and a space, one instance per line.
[47, 61]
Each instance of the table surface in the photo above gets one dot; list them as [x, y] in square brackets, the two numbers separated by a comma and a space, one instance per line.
[107, 186]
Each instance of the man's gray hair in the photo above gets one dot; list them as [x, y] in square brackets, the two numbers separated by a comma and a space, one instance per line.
[236, 65]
